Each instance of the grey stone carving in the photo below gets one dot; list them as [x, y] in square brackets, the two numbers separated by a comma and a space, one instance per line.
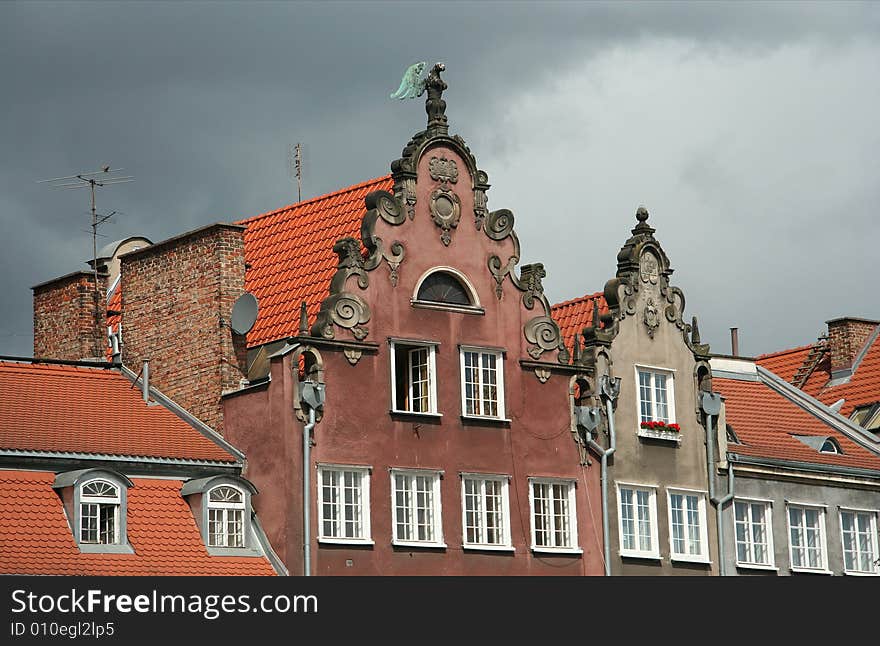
[443, 170]
[651, 318]
[352, 355]
[343, 308]
[530, 276]
[543, 374]
[381, 204]
[445, 210]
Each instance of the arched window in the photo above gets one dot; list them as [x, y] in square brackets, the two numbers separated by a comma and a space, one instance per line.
[226, 505]
[99, 512]
[443, 287]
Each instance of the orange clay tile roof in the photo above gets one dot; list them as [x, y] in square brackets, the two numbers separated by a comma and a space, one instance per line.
[574, 315]
[290, 256]
[862, 388]
[785, 362]
[765, 421]
[73, 409]
[35, 537]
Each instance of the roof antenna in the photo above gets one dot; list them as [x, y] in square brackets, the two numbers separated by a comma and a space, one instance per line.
[294, 162]
[101, 178]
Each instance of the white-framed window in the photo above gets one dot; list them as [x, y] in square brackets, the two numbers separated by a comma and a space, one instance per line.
[806, 531]
[482, 382]
[485, 511]
[637, 521]
[226, 506]
[344, 504]
[688, 540]
[415, 502]
[100, 502]
[413, 377]
[553, 515]
[859, 533]
[656, 395]
[753, 529]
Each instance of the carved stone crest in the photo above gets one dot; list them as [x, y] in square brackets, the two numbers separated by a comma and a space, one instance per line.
[444, 170]
[649, 268]
[652, 317]
[543, 374]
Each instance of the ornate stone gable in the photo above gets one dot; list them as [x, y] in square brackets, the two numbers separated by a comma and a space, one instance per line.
[451, 170]
[641, 289]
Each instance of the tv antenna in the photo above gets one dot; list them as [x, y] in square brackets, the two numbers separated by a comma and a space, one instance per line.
[99, 178]
[294, 160]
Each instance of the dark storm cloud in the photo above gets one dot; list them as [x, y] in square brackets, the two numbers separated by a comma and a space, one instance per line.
[200, 102]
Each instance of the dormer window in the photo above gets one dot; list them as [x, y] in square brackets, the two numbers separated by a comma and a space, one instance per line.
[226, 517]
[830, 446]
[446, 288]
[95, 501]
[99, 513]
[221, 507]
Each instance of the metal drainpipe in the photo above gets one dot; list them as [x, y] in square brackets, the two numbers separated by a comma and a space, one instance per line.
[711, 405]
[610, 388]
[307, 501]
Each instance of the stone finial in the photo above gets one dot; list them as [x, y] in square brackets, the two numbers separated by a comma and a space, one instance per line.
[695, 332]
[303, 319]
[596, 324]
[435, 106]
[642, 226]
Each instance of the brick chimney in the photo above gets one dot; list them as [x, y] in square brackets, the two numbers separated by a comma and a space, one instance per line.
[65, 325]
[177, 299]
[846, 338]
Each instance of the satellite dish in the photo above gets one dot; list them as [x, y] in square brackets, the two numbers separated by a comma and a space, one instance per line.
[244, 313]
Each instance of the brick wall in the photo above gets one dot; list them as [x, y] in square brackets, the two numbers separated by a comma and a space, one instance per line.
[846, 337]
[65, 326]
[177, 299]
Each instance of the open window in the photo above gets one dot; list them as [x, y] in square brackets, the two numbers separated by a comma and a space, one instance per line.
[413, 377]
[96, 502]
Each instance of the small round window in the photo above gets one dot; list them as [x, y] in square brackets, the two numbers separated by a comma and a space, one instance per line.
[442, 287]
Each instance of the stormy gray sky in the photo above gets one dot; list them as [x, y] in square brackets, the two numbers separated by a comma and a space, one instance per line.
[750, 131]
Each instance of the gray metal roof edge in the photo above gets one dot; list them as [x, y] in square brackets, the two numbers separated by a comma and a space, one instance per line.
[110, 457]
[266, 546]
[199, 485]
[736, 376]
[287, 348]
[186, 416]
[804, 466]
[819, 410]
[69, 478]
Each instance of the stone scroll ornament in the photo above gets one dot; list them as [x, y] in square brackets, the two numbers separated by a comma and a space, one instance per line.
[445, 205]
[384, 205]
[343, 308]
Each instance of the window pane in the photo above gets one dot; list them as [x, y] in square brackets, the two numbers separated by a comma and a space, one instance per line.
[661, 408]
[677, 514]
[627, 515]
[540, 494]
[645, 405]
[644, 520]
[419, 380]
[472, 383]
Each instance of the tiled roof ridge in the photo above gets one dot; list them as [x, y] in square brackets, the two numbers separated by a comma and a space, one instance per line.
[70, 369]
[312, 200]
[780, 353]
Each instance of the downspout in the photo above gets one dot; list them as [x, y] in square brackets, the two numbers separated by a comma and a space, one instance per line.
[313, 397]
[307, 500]
[610, 390]
[710, 403]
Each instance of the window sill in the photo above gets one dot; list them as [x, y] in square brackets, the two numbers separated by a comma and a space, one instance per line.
[234, 551]
[757, 566]
[668, 436]
[488, 548]
[848, 573]
[480, 418]
[346, 541]
[103, 548]
[803, 570]
[413, 414]
[556, 550]
[702, 560]
[441, 546]
[637, 555]
[462, 309]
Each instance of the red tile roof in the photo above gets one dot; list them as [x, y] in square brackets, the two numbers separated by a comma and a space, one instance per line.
[765, 422]
[75, 409]
[35, 537]
[290, 256]
[784, 363]
[574, 315]
[863, 386]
